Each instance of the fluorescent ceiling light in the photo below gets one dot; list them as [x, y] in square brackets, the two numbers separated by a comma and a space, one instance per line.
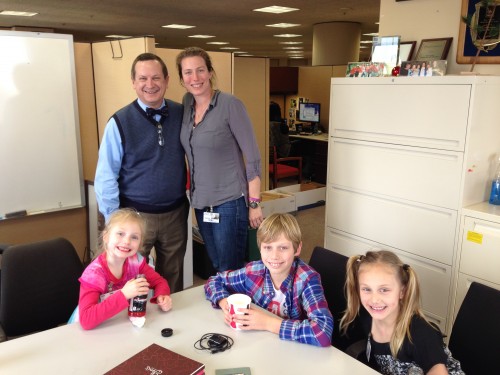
[290, 42]
[248, 55]
[275, 9]
[229, 48]
[295, 57]
[240, 52]
[287, 35]
[220, 43]
[371, 34]
[201, 36]
[118, 36]
[176, 26]
[293, 47]
[366, 41]
[284, 25]
[16, 13]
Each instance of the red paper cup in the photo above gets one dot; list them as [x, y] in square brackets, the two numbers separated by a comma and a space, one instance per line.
[235, 302]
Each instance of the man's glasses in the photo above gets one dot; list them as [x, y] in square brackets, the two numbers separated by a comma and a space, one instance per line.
[159, 130]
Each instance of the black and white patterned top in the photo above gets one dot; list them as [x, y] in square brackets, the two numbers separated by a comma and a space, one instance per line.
[424, 351]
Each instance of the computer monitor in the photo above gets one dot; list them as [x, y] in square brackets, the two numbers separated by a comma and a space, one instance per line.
[309, 112]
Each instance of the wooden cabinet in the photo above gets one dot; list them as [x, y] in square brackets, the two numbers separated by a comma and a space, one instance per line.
[283, 80]
[405, 156]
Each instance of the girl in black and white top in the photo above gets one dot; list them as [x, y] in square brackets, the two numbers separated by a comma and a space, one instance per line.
[400, 340]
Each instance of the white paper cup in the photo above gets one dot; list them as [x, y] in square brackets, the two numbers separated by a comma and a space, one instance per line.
[235, 302]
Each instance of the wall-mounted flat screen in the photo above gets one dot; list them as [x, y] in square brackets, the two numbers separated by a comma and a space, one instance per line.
[309, 112]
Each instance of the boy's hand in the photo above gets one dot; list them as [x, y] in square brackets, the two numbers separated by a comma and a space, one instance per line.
[135, 287]
[165, 302]
[225, 309]
[256, 319]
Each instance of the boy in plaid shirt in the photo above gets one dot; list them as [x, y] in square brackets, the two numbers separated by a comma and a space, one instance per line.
[281, 283]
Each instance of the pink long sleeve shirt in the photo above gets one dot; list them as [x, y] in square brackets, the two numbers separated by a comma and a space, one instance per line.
[100, 291]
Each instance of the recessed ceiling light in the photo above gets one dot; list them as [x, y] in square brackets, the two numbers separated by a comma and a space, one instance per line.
[275, 9]
[16, 13]
[300, 52]
[287, 35]
[293, 47]
[290, 42]
[118, 36]
[220, 43]
[240, 52]
[371, 34]
[176, 26]
[284, 25]
[366, 41]
[295, 57]
[229, 48]
[201, 36]
[361, 47]
[247, 55]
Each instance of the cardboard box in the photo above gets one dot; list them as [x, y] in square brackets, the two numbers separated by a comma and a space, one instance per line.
[276, 202]
[306, 195]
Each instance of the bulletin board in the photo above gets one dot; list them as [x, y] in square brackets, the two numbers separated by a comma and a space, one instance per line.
[40, 154]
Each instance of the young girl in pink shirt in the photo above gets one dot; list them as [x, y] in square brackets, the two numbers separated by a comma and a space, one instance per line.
[109, 282]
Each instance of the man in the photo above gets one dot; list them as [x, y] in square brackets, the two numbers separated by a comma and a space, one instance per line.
[141, 165]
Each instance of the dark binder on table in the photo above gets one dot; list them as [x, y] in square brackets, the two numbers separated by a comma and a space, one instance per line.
[156, 358]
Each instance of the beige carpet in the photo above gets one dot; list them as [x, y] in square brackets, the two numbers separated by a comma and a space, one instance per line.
[312, 225]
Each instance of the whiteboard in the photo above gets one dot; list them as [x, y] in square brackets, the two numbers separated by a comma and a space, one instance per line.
[40, 154]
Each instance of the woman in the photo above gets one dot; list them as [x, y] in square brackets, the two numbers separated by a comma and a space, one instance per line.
[224, 162]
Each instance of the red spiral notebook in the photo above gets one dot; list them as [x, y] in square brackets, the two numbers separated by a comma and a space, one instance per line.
[156, 358]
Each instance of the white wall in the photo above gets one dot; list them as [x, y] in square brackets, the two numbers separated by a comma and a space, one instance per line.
[428, 19]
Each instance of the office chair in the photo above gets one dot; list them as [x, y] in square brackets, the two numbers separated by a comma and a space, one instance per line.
[39, 286]
[474, 339]
[332, 268]
[280, 168]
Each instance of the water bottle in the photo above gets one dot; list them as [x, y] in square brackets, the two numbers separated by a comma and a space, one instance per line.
[137, 308]
[495, 186]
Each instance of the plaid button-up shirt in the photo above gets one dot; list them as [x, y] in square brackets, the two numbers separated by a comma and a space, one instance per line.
[309, 319]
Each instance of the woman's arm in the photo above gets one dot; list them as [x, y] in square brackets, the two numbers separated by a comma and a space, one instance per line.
[255, 215]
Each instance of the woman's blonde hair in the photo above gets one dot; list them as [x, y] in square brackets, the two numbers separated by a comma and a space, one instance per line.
[276, 225]
[409, 304]
[121, 216]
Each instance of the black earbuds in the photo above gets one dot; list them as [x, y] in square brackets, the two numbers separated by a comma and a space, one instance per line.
[214, 342]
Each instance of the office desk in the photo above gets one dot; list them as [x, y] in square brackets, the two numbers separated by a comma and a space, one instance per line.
[314, 152]
[71, 350]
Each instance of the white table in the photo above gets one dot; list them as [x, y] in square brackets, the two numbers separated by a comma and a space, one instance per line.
[71, 350]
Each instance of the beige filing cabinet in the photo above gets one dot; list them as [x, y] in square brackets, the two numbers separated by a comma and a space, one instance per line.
[405, 156]
[479, 249]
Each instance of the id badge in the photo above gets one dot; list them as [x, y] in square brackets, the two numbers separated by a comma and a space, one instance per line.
[211, 217]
